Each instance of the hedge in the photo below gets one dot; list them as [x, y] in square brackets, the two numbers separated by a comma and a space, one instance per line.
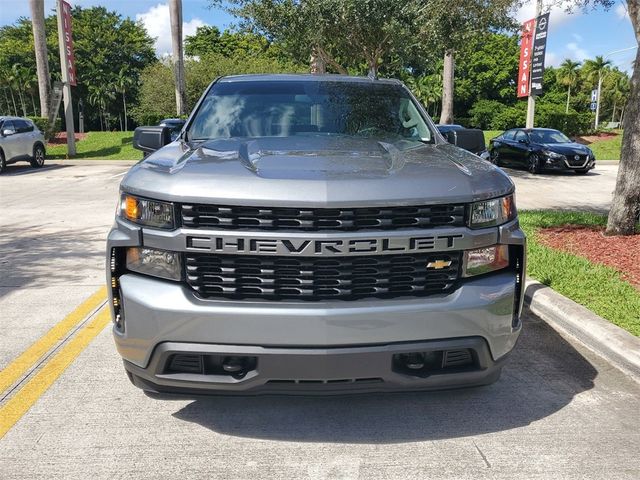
[43, 123]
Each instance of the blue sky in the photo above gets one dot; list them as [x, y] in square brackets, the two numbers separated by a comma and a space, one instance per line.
[578, 36]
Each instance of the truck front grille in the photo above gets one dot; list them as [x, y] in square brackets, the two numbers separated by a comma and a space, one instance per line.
[319, 219]
[310, 278]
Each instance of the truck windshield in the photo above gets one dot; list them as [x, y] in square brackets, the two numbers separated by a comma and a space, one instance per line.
[251, 109]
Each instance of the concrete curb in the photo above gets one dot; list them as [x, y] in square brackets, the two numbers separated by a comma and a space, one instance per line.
[617, 346]
[85, 162]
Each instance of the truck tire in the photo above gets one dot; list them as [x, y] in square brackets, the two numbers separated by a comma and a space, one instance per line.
[37, 160]
[3, 162]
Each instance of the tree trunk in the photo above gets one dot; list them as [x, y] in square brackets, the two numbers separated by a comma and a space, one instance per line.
[317, 64]
[40, 46]
[446, 115]
[13, 99]
[568, 98]
[613, 114]
[175, 14]
[24, 109]
[625, 208]
[124, 104]
[598, 100]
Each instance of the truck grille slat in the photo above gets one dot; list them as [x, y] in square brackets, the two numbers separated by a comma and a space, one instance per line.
[308, 278]
[319, 219]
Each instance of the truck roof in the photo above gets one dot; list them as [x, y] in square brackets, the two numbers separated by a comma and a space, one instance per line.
[288, 77]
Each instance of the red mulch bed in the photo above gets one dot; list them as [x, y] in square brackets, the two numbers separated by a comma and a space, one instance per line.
[61, 137]
[620, 253]
[586, 140]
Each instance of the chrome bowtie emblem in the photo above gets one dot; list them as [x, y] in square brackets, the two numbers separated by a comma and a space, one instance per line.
[439, 264]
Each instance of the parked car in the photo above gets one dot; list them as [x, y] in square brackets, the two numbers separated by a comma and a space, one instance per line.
[471, 139]
[20, 140]
[539, 149]
[174, 125]
[322, 238]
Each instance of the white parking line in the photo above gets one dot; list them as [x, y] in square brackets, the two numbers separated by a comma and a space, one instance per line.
[119, 174]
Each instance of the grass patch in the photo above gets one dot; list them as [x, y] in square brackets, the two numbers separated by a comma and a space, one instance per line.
[100, 146]
[489, 134]
[599, 288]
[608, 149]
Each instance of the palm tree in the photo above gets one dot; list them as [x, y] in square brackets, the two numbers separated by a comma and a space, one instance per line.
[568, 76]
[40, 47]
[16, 80]
[597, 68]
[123, 81]
[620, 94]
[175, 14]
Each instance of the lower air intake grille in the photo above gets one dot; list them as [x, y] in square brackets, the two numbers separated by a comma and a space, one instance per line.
[308, 278]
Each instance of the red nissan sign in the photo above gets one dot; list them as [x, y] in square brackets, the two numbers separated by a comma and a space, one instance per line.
[68, 43]
[525, 58]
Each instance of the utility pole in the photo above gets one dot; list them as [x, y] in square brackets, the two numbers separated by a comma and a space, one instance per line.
[531, 100]
[63, 11]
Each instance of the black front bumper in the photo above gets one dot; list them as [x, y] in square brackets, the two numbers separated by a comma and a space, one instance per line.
[317, 371]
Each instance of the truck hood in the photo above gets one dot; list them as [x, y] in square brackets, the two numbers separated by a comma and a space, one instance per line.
[315, 170]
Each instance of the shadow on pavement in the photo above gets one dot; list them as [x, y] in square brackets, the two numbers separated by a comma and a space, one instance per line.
[542, 376]
[551, 173]
[25, 169]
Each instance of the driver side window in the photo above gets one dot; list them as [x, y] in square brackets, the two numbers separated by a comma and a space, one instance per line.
[521, 136]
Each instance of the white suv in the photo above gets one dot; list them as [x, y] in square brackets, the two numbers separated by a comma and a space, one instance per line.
[20, 140]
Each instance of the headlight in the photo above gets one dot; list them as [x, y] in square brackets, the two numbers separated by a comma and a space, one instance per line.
[158, 263]
[485, 260]
[552, 154]
[489, 213]
[152, 213]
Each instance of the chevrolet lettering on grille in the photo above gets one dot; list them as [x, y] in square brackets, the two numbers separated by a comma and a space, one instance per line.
[357, 246]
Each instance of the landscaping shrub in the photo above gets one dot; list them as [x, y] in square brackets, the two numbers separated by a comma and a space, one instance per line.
[510, 117]
[42, 123]
[483, 112]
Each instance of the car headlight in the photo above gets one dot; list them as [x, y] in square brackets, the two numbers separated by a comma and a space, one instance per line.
[553, 155]
[489, 213]
[151, 213]
[158, 263]
[485, 260]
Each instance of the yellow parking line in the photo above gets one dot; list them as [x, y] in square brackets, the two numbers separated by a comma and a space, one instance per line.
[31, 355]
[22, 401]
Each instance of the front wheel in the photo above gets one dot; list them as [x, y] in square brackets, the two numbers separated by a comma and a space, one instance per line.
[3, 163]
[533, 165]
[494, 157]
[37, 161]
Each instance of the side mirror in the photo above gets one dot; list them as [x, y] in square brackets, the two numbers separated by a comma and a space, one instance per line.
[150, 139]
[522, 140]
[8, 131]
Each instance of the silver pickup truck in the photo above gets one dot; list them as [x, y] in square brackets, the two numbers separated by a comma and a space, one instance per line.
[312, 234]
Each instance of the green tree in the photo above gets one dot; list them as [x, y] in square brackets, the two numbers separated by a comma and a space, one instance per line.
[597, 68]
[568, 74]
[104, 43]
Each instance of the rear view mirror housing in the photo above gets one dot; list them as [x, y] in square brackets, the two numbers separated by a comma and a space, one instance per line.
[152, 138]
[522, 140]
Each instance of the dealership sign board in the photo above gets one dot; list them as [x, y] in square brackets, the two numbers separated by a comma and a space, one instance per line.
[68, 43]
[526, 47]
[539, 49]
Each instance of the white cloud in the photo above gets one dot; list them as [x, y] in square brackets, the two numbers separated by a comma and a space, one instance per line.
[158, 25]
[552, 59]
[621, 11]
[559, 14]
[575, 52]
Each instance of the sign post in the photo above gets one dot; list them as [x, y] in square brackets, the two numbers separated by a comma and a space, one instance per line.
[531, 101]
[68, 68]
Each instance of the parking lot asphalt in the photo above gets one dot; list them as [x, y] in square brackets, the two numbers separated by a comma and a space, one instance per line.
[559, 410]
